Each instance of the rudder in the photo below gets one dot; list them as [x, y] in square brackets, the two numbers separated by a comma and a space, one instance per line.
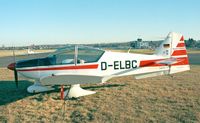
[173, 47]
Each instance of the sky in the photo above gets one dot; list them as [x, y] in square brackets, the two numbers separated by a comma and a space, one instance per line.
[26, 22]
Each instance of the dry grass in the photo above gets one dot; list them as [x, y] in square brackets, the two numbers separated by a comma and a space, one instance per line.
[4, 53]
[193, 50]
[123, 99]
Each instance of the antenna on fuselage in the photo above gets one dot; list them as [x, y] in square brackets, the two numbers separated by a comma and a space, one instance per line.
[129, 50]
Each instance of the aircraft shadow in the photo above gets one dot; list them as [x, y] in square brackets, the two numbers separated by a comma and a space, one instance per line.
[92, 87]
[89, 87]
[106, 85]
[9, 93]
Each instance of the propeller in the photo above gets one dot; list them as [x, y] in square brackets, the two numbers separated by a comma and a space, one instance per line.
[14, 69]
[12, 66]
[16, 77]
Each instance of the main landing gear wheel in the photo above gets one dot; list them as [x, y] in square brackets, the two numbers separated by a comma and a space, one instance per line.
[76, 91]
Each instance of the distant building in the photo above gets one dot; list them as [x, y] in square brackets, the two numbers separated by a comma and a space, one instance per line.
[139, 44]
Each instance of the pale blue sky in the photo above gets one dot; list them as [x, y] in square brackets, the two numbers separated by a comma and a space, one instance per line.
[26, 22]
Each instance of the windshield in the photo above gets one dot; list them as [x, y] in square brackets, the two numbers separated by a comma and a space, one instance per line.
[89, 55]
[68, 55]
[83, 54]
[63, 55]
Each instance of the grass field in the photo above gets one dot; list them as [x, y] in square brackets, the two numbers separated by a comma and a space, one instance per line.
[124, 99]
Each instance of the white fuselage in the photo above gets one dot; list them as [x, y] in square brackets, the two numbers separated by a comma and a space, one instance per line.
[84, 65]
[110, 64]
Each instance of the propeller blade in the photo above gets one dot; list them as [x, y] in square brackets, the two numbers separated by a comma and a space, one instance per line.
[16, 77]
[15, 71]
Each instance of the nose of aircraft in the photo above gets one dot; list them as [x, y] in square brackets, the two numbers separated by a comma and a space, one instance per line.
[11, 66]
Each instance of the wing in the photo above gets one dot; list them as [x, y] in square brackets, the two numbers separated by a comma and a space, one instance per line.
[63, 79]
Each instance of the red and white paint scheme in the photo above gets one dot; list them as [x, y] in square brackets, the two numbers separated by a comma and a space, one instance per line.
[83, 65]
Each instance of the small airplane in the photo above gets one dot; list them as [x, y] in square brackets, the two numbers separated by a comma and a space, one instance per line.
[85, 65]
[30, 51]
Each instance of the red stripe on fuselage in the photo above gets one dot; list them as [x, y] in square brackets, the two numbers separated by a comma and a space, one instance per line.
[152, 63]
[179, 52]
[93, 66]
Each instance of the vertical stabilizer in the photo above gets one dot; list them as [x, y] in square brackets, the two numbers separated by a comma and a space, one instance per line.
[173, 47]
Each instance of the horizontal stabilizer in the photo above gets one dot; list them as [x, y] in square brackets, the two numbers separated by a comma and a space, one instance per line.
[169, 61]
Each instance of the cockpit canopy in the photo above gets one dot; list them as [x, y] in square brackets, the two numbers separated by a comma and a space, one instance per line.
[67, 55]
[76, 55]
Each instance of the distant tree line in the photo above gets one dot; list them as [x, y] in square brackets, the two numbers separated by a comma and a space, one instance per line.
[191, 43]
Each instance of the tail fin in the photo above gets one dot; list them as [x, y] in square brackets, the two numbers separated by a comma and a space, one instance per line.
[174, 47]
